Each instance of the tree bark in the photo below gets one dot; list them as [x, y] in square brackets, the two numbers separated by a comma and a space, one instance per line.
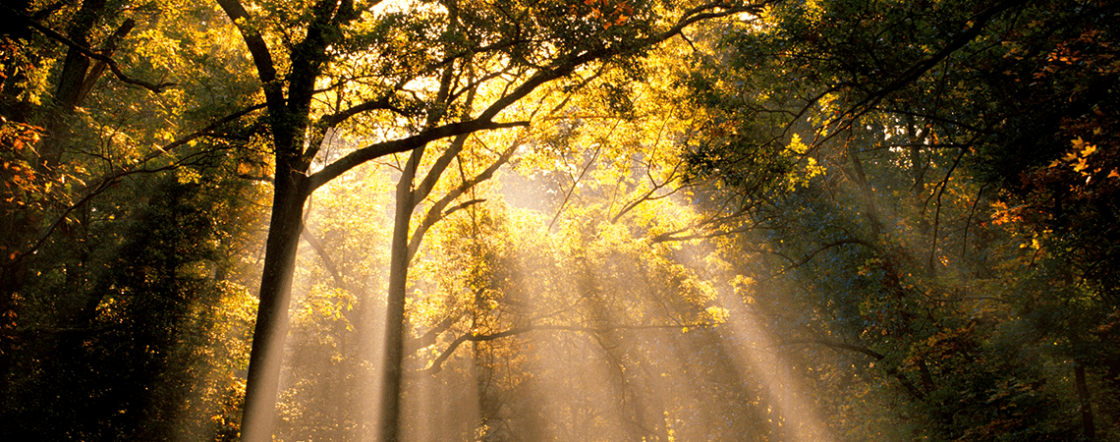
[289, 119]
[68, 92]
[866, 194]
[272, 316]
[391, 369]
[1085, 404]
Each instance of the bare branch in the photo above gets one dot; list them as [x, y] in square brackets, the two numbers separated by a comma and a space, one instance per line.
[328, 263]
[915, 71]
[937, 212]
[575, 183]
[437, 364]
[378, 104]
[436, 212]
[165, 149]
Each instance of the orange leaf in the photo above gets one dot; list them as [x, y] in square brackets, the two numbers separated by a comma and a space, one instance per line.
[1077, 143]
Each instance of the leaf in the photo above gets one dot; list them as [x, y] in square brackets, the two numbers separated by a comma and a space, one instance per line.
[1081, 165]
[1077, 143]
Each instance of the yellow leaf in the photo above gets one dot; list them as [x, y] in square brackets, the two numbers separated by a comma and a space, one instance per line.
[1114, 174]
[1088, 150]
[1081, 165]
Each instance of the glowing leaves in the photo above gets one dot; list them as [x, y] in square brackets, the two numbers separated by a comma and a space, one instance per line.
[1003, 214]
[717, 315]
[322, 323]
[608, 12]
[1078, 159]
[796, 145]
[1087, 150]
[187, 175]
[20, 179]
[1080, 166]
[810, 167]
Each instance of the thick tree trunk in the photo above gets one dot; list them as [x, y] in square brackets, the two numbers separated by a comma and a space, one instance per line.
[272, 315]
[391, 369]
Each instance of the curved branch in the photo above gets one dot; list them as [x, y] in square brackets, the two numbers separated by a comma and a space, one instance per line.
[97, 189]
[437, 364]
[262, 57]
[937, 211]
[104, 182]
[911, 389]
[107, 49]
[977, 25]
[344, 164]
[328, 262]
[814, 253]
[378, 104]
[165, 149]
[436, 212]
[112, 64]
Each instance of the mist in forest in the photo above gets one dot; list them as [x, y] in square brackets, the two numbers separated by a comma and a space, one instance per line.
[544, 339]
[560, 220]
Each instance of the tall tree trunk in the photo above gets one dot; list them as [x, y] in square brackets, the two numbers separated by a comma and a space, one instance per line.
[866, 194]
[272, 315]
[391, 369]
[1085, 404]
[68, 92]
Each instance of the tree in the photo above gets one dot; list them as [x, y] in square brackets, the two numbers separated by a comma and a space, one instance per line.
[122, 234]
[936, 124]
[411, 85]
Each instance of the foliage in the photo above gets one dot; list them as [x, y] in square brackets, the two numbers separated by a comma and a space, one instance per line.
[601, 220]
[951, 246]
[123, 279]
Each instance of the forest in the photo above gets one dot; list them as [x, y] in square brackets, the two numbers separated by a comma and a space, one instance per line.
[560, 220]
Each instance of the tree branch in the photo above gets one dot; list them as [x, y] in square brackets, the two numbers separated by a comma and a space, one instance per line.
[893, 371]
[328, 263]
[107, 49]
[436, 212]
[262, 57]
[485, 119]
[344, 164]
[378, 104]
[112, 64]
[437, 364]
[917, 70]
[165, 149]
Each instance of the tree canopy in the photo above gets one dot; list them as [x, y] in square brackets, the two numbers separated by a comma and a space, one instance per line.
[768, 220]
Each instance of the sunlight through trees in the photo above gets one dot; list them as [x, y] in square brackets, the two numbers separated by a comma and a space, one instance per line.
[593, 220]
